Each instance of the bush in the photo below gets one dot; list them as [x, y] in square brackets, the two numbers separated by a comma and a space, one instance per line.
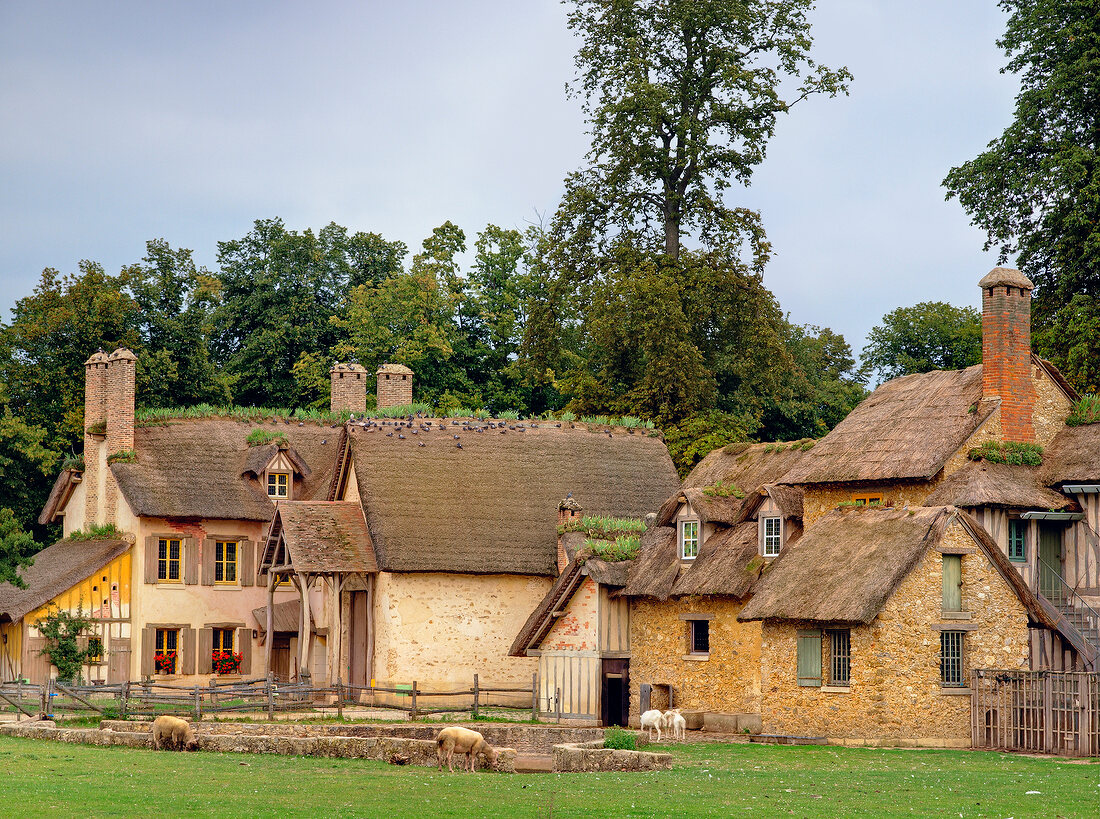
[1086, 411]
[61, 630]
[1014, 453]
[620, 740]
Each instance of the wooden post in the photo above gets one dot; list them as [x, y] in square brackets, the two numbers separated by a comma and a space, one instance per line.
[270, 638]
[42, 703]
[1048, 716]
[340, 698]
[304, 623]
[370, 630]
[475, 696]
[124, 695]
[198, 704]
[270, 697]
[534, 696]
[412, 713]
[557, 702]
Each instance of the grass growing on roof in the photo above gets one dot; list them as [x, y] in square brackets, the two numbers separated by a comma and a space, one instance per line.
[1013, 452]
[47, 778]
[603, 526]
[623, 547]
[106, 531]
[123, 456]
[1085, 411]
[723, 490]
[262, 437]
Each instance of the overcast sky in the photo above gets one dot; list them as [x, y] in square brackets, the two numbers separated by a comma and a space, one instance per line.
[123, 122]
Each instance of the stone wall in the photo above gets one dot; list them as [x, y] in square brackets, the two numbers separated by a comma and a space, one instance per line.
[727, 680]
[895, 692]
[1052, 407]
[820, 499]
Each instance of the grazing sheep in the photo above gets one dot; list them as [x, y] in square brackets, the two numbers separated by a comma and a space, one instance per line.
[674, 723]
[650, 720]
[173, 733]
[454, 739]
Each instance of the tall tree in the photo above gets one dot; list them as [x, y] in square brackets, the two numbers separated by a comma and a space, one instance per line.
[1035, 190]
[932, 335]
[16, 549]
[683, 97]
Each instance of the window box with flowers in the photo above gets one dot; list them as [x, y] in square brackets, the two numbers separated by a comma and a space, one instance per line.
[165, 662]
[225, 662]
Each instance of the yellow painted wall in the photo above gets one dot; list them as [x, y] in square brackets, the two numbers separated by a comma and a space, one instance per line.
[440, 629]
[895, 692]
[11, 651]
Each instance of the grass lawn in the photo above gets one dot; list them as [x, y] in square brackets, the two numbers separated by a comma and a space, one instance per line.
[45, 778]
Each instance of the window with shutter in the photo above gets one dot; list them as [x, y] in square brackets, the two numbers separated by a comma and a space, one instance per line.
[809, 657]
[1017, 540]
[952, 582]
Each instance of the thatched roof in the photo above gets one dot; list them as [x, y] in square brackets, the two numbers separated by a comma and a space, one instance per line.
[56, 569]
[612, 574]
[1073, 456]
[59, 495]
[980, 483]
[196, 468]
[905, 430]
[747, 466]
[653, 573]
[1006, 276]
[728, 564]
[709, 507]
[322, 536]
[260, 456]
[846, 566]
[491, 506]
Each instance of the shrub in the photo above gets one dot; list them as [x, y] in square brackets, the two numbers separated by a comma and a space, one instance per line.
[623, 547]
[107, 531]
[620, 740]
[1013, 452]
[567, 416]
[61, 630]
[1086, 411]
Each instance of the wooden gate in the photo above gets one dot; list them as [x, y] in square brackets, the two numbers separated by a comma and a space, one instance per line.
[1055, 712]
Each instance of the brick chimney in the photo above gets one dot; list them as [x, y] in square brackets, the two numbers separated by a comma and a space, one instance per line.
[121, 380]
[395, 386]
[95, 420]
[569, 511]
[349, 388]
[1006, 350]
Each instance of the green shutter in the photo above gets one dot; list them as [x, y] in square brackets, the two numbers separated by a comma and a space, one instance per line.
[952, 582]
[809, 657]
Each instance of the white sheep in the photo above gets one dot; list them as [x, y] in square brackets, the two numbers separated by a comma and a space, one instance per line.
[652, 719]
[455, 739]
[674, 723]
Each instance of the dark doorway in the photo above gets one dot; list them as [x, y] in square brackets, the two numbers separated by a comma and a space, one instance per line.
[615, 692]
[280, 657]
[358, 673]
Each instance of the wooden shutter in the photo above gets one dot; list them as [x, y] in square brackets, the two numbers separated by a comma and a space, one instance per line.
[952, 582]
[151, 559]
[208, 553]
[206, 649]
[187, 656]
[246, 566]
[809, 657]
[148, 649]
[191, 562]
[244, 645]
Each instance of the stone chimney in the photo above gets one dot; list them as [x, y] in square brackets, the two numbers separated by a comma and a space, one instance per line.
[349, 388]
[395, 386]
[95, 423]
[1006, 350]
[569, 511]
[121, 380]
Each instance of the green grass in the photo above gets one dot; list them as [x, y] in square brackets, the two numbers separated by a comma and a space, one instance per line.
[47, 778]
[1086, 411]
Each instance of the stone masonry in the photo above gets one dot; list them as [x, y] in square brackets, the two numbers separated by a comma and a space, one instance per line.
[349, 388]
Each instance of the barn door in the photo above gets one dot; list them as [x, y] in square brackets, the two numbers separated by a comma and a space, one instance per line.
[1050, 562]
[36, 665]
[614, 692]
[118, 659]
[358, 674]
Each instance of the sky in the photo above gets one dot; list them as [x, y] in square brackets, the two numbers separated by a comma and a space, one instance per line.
[122, 122]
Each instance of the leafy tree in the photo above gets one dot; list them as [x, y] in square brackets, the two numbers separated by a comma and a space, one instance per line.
[931, 335]
[25, 467]
[1035, 190]
[695, 436]
[16, 549]
[62, 630]
[682, 97]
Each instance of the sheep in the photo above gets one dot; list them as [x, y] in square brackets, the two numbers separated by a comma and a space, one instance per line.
[464, 741]
[650, 720]
[674, 723]
[172, 732]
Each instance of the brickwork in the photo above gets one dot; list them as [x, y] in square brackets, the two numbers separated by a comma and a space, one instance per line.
[121, 380]
[395, 386]
[727, 680]
[349, 388]
[1006, 357]
[576, 630]
[895, 692]
[569, 511]
[95, 413]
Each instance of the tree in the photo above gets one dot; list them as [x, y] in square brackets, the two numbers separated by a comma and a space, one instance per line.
[931, 335]
[683, 97]
[1035, 190]
[16, 549]
[25, 467]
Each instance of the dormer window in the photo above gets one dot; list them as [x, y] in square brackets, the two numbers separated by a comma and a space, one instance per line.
[771, 535]
[689, 539]
[278, 485]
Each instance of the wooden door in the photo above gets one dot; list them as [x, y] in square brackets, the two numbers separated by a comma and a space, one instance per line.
[118, 659]
[358, 673]
[1050, 562]
[36, 665]
[280, 658]
[615, 692]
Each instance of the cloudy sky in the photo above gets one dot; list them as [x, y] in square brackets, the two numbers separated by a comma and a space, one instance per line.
[127, 121]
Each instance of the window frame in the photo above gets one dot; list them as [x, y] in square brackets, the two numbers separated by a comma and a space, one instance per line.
[840, 657]
[684, 540]
[867, 498]
[777, 535]
[952, 658]
[1018, 526]
[160, 647]
[167, 561]
[224, 563]
[274, 482]
[697, 627]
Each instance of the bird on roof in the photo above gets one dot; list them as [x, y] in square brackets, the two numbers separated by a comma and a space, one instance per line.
[568, 495]
[455, 437]
[389, 434]
[301, 423]
[459, 445]
[421, 443]
[402, 437]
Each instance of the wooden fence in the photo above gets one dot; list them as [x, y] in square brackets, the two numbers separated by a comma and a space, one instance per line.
[149, 698]
[1055, 712]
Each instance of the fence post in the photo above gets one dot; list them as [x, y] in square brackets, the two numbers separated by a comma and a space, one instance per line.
[475, 696]
[1048, 715]
[124, 696]
[340, 698]
[198, 704]
[412, 714]
[213, 693]
[557, 702]
[42, 703]
[534, 696]
[270, 697]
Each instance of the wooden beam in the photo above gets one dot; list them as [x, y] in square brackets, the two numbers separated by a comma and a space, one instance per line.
[370, 578]
[270, 636]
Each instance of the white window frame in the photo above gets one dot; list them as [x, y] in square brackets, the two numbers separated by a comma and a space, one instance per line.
[773, 539]
[684, 540]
